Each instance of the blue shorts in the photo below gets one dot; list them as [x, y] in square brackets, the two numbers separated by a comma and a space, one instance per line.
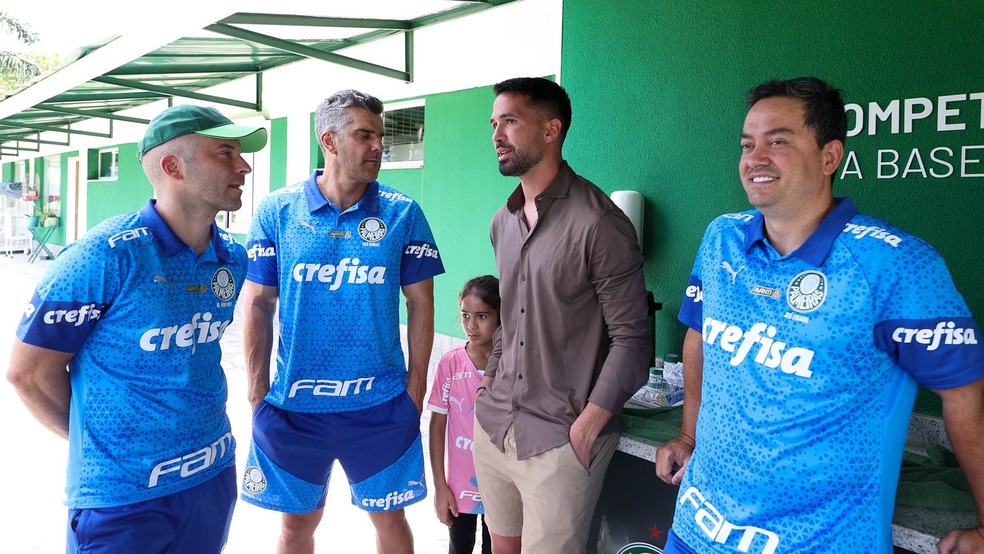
[191, 521]
[675, 545]
[379, 448]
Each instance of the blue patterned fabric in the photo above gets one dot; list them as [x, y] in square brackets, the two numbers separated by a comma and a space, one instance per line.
[292, 455]
[811, 365]
[143, 315]
[339, 275]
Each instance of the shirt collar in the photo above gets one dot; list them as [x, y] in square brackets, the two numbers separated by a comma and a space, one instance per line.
[558, 188]
[169, 242]
[316, 200]
[816, 248]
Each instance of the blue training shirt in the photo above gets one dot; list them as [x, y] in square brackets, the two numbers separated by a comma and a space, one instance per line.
[339, 275]
[811, 365]
[143, 315]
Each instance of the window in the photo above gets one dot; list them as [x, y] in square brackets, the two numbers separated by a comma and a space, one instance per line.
[109, 163]
[20, 173]
[403, 145]
[51, 194]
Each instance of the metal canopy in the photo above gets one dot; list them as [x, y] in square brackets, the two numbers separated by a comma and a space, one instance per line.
[246, 46]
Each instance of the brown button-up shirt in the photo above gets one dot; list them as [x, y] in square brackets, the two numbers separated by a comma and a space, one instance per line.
[574, 315]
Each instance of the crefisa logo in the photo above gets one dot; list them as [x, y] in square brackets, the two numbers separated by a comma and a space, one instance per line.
[254, 481]
[807, 291]
[223, 285]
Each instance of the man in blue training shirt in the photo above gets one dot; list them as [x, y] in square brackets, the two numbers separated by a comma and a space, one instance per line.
[336, 251]
[135, 310]
[811, 327]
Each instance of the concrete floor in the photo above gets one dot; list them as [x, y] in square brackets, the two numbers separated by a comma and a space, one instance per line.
[32, 467]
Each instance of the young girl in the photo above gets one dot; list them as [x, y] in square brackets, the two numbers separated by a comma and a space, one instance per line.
[452, 405]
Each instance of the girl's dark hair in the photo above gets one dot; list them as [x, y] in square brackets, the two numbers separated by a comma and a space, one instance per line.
[485, 287]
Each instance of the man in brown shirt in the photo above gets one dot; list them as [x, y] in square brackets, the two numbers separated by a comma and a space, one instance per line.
[574, 342]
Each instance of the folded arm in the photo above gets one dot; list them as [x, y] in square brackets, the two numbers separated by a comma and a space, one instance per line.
[40, 376]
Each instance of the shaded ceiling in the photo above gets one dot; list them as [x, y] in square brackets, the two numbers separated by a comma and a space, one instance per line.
[238, 46]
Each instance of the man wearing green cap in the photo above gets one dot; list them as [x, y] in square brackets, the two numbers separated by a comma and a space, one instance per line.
[134, 310]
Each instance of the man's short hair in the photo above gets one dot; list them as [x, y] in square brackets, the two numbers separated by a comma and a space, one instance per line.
[331, 114]
[824, 105]
[546, 97]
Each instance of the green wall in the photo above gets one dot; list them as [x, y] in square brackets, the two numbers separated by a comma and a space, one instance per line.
[665, 119]
[127, 193]
[278, 153]
[459, 188]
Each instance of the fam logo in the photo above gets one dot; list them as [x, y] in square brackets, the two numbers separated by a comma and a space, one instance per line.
[372, 229]
[190, 464]
[129, 234]
[254, 481]
[807, 291]
[223, 285]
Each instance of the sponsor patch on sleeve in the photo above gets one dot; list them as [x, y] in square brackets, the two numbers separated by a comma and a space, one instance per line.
[61, 326]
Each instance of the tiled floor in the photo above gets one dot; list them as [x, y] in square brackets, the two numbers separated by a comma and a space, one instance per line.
[32, 467]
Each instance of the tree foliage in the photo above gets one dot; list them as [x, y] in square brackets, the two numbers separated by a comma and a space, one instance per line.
[17, 67]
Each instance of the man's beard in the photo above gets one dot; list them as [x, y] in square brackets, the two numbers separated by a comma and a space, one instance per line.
[521, 161]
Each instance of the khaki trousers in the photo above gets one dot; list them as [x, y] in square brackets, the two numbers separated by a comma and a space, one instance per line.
[547, 499]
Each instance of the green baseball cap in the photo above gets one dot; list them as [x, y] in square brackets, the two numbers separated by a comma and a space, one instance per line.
[186, 119]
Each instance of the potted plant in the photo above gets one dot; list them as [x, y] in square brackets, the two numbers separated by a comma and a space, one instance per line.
[33, 220]
[42, 217]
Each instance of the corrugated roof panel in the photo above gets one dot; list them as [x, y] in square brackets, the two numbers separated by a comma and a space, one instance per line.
[241, 45]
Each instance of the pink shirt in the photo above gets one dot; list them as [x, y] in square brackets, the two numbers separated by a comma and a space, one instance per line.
[453, 393]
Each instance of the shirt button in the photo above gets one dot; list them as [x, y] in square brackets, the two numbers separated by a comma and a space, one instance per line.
[521, 343]
[515, 408]
[520, 376]
[522, 310]
[522, 278]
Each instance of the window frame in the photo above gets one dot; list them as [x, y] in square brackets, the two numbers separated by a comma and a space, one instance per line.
[396, 106]
[114, 163]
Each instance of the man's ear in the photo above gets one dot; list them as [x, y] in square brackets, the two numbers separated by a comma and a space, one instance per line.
[833, 153]
[172, 166]
[328, 140]
[553, 130]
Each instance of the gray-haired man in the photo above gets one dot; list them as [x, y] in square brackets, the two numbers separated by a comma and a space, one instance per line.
[336, 251]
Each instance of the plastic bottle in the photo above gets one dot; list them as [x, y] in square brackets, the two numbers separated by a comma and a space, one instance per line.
[673, 370]
[655, 387]
[673, 378]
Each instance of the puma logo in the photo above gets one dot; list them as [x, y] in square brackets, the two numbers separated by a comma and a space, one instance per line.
[734, 272]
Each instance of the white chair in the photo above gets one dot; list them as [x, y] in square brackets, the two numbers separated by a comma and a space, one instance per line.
[12, 237]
